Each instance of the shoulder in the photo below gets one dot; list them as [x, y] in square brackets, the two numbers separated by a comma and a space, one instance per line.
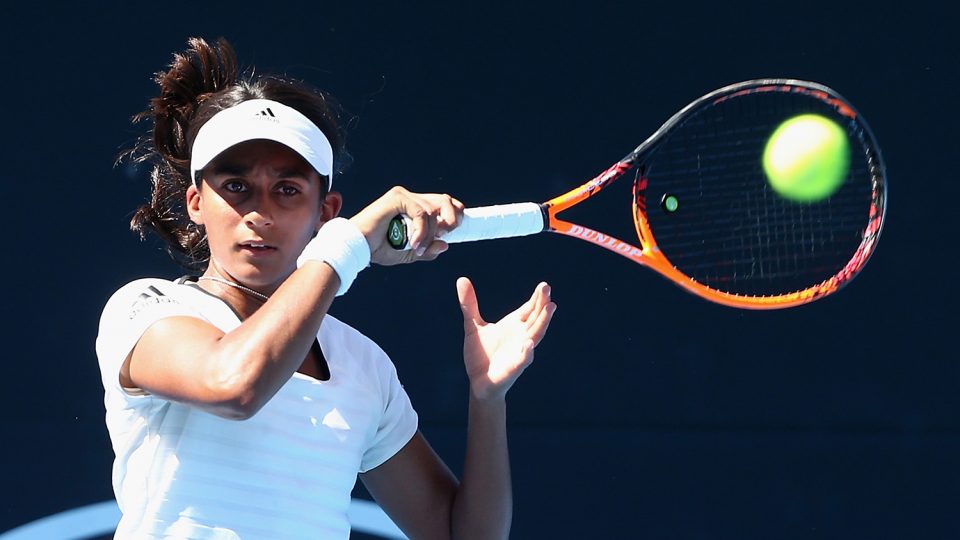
[128, 313]
[142, 288]
[136, 305]
[140, 293]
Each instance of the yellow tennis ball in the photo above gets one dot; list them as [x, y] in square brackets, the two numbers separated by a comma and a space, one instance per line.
[807, 158]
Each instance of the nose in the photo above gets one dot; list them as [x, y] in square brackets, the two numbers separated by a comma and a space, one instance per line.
[258, 219]
[260, 213]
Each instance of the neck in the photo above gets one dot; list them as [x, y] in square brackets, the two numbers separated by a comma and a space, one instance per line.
[243, 299]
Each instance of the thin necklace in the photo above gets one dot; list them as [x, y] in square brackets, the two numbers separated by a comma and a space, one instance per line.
[235, 286]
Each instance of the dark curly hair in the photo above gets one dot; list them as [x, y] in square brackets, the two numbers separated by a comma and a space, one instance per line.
[202, 81]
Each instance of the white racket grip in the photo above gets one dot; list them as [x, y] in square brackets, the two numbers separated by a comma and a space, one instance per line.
[482, 223]
[499, 221]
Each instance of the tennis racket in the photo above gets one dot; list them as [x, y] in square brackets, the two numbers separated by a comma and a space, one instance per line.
[704, 212]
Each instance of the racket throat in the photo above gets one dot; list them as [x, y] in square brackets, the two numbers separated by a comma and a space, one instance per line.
[606, 241]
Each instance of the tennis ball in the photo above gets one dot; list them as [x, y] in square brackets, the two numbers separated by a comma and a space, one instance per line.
[807, 158]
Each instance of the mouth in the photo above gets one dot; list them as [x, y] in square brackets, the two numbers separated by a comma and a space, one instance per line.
[257, 248]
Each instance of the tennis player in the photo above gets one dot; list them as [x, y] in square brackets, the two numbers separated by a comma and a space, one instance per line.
[237, 407]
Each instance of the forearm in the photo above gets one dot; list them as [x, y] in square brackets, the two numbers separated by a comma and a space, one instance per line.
[261, 354]
[483, 507]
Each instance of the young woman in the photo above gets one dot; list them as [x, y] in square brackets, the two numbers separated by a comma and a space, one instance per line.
[237, 407]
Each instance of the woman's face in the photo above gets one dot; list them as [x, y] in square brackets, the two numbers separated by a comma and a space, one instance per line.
[260, 204]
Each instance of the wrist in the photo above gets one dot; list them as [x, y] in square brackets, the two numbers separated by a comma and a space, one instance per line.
[488, 405]
[341, 245]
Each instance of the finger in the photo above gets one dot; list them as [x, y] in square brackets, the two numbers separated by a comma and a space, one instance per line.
[418, 217]
[469, 305]
[542, 296]
[433, 250]
[450, 216]
[459, 207]
[433, 225]
[388, 256]
[541, 322]
[525, 309]
[535, 302]
[424, 223]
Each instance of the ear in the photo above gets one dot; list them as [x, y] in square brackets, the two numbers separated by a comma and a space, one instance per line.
[330, 208]
[193, 204]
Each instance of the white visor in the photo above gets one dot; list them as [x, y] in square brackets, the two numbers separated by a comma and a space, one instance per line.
[262, 119]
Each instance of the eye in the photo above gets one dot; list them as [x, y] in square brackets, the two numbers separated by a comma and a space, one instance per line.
[234, 186]
[288, 190]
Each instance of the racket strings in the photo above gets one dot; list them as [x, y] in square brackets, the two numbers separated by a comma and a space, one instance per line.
[731, 231]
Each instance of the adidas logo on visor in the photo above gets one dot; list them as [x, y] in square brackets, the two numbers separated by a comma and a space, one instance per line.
[266, 114]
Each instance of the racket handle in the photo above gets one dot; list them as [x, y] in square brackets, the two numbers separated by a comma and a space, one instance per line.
[481, 223]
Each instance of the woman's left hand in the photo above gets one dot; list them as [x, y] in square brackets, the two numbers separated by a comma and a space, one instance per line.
[495, 354]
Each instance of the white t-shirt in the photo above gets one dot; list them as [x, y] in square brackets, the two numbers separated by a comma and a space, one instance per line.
[287, 472]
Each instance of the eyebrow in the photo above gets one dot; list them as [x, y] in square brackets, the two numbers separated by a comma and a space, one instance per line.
[294, 173]
[236, 169]
[231, 169]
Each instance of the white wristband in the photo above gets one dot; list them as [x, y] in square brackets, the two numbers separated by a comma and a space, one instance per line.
[340, 244]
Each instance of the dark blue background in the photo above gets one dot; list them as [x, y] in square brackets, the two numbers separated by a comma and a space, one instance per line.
[648, 412]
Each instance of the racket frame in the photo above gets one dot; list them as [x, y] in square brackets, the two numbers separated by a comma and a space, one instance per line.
[499, 222]
[648, 254]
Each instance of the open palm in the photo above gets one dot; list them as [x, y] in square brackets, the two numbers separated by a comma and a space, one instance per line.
[495, 354]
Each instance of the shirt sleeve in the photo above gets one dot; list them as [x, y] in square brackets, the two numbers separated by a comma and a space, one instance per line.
[126, 316]
[398, 424]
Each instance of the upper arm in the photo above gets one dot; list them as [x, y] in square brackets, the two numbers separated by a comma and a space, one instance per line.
[416, 489]
[174, 359]
[151, 340]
